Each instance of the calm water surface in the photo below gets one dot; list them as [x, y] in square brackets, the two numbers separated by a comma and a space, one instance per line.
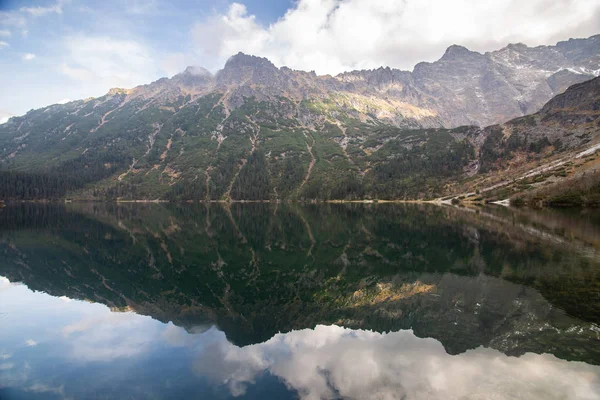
[257, 301]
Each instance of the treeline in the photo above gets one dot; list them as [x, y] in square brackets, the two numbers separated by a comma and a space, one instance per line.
[90, 167]
[421, 171]
[188, 190]
[15, 185]
[427, 161]
[415, 172]
[120, 190]
[345, 186]
[57, 181]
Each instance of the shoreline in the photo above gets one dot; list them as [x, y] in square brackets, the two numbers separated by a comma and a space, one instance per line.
[438, 202]
[157, 201]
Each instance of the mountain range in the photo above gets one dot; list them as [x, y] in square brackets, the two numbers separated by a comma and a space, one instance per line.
[253, 131]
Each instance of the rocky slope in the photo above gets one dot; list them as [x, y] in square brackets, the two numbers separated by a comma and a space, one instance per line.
[568, 121]
[254, 131]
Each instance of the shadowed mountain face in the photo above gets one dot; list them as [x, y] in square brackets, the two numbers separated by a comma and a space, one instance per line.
[513, 281]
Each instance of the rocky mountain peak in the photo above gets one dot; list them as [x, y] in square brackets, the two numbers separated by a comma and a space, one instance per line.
[193, 80]
[456, 52]
[243, 71]
[517, 46]
[244, 60]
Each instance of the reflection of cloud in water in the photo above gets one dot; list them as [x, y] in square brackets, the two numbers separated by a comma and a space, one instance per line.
[5, 366]
[334, 362]
[327, 362]
[5, 284]
[178, 337]
[110, 336]
[42, 388]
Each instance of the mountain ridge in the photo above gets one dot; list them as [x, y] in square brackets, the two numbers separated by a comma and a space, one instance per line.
[253, 131]
[510, 82]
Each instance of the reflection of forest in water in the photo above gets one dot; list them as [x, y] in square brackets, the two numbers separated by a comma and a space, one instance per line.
[508, 279]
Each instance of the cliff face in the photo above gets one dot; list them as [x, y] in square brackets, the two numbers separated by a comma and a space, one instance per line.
[469, 88]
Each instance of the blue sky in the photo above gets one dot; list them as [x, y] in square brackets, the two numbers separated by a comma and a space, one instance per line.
[53, 50]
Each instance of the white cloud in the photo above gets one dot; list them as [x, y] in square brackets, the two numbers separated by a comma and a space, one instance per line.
[40, 11]
[175, 63]
[4, 282]
[76, 73]
[222, 36]
[3, 44]
[109, 336]
[5, 33]
[28, 56]
[335, 35]
[12, 19]
[141, 7]
[101, 61]
[3, 120]
[334, 362]
[176, 336]
[30, 343]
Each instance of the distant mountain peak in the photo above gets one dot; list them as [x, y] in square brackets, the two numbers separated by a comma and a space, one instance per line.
[517, 45]
[456, 52]
[246, 60]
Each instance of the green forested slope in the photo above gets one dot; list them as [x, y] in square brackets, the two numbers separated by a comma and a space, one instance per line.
[196, 149]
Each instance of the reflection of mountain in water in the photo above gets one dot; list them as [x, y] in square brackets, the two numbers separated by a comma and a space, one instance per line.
[86, 351]
[495, 278]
